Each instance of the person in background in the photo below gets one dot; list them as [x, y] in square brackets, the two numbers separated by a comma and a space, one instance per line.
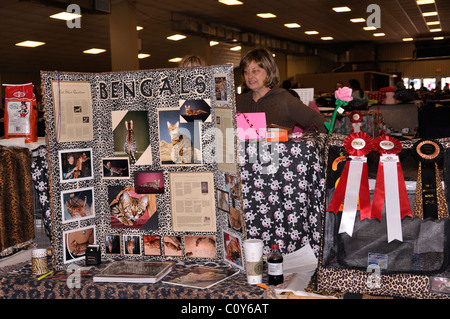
[360, 99]
[403, 94]
[190, 61]
[337, 86]
[261, 77]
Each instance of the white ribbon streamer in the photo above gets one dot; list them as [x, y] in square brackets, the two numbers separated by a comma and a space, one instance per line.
[356, 127]
[351, 195]
[393, 216]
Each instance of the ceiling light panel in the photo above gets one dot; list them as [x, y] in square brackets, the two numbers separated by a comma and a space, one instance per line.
[30, 44]
[65, 16]
[422, 2]
[357, 20]
[231, 2]
[311, 32]
[94, 51]
[342, 9]
[176, 37]
[267, 15]
[292, 25]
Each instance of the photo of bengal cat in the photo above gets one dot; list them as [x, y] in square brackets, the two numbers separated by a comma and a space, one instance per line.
[129, 209]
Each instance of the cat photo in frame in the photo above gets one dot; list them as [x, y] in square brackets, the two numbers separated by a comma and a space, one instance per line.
[75, 243]
[223, 200]
[77, 204]
[129, 209]
[173, 246]
[235, 218]
[149, 182]
[179, 142]
[132, 244]
[220, 81]
[75, 165]
[131, 136]
[116, 167]
[195, 110]
[152, 245]
[200, 246]
[113, 244]
[233, 249]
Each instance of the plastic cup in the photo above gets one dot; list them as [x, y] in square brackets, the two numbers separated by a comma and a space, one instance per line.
[253, 253]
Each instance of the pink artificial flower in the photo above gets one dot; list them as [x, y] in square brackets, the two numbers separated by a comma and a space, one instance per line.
[344, 94]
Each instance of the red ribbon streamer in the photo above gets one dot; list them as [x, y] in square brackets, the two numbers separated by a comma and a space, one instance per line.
[364, 194]
[391, 146]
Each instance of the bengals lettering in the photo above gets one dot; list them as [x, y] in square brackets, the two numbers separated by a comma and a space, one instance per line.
[149, 88]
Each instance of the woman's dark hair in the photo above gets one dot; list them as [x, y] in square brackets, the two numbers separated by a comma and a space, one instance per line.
[356, 86]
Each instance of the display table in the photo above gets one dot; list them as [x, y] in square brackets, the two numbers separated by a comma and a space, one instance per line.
[18, 282]
[282, 189]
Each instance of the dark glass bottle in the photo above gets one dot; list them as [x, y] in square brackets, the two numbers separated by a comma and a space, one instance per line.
[275, 266]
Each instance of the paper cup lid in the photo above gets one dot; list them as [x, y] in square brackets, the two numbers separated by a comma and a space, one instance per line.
[253, 242]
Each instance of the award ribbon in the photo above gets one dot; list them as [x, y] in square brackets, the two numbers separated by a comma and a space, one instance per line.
[429, 199]
[356, 119]
[354, 183]
[390, 185]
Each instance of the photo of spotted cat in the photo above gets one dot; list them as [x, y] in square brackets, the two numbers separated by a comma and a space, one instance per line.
[180, 142]
[149, 182]
[116, 167]
[77, 204]
[182, 147]
[127, 209]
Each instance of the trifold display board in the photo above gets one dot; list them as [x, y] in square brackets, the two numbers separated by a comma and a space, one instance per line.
[142, 164]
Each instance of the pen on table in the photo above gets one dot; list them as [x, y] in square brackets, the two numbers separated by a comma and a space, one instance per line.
[262, 286]
[43, 276]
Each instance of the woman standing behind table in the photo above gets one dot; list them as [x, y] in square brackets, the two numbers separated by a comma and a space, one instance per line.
[360, 100]
[261, 78]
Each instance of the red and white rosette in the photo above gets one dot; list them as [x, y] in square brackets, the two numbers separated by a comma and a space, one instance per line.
[390, 185]
[353, 183]
[356, 119]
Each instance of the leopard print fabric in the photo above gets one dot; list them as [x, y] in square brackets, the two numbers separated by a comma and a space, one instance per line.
[418, 200]
[355, 281]
[16, 198]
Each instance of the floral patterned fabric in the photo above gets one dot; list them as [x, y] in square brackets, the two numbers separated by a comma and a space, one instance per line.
[282, 189]
[39, 172]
